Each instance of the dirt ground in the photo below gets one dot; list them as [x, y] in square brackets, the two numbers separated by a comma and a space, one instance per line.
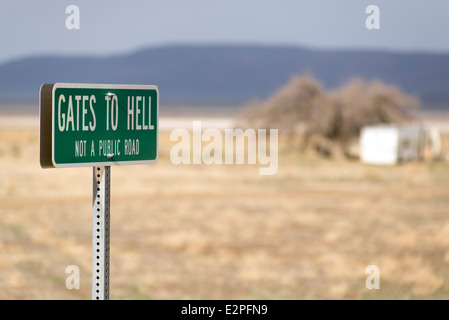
[224, 231]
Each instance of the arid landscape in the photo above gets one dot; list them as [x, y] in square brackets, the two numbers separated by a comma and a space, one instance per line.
[302, 153]
[224, 231]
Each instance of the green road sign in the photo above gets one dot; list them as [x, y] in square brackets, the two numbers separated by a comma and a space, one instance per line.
[98, 125]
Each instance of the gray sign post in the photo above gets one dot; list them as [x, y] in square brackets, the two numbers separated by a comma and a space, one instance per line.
[101, 232]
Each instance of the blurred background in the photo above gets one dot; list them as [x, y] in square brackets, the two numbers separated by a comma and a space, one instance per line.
[363, 120]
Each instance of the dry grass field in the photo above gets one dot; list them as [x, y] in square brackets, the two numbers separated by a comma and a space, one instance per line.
[225, 232]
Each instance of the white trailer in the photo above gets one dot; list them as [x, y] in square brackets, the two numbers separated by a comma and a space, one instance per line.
[390, 144]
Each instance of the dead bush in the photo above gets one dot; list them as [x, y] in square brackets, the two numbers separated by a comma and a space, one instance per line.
[303, 107]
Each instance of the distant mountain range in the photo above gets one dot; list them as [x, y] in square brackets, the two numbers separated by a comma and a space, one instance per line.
[230, 74]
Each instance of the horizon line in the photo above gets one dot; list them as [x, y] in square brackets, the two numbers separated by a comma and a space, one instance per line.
[135, 50]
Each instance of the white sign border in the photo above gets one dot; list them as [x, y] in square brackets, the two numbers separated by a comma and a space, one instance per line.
[100, 86]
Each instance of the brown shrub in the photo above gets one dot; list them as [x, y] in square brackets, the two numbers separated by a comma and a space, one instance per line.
[302, 107]
[294, 103]
[357, 104]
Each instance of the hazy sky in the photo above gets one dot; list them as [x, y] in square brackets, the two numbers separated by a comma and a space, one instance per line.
[29, 27]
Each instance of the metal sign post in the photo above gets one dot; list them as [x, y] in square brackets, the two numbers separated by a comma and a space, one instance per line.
[101, 232]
